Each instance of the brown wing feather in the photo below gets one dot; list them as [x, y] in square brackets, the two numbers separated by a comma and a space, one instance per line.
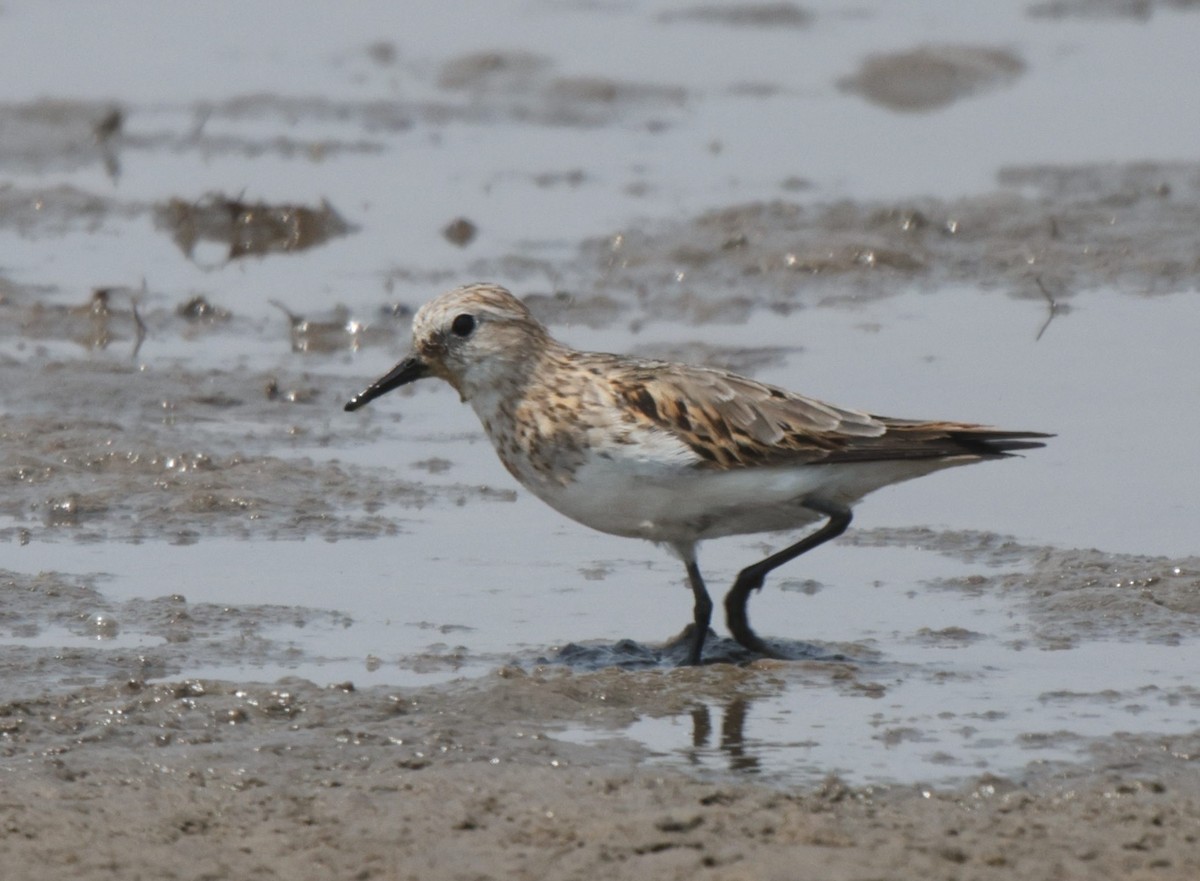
[731, 421]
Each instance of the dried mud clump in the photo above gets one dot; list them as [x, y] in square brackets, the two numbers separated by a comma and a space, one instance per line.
[460, 231]
[931, 77]
[249, 228]
[755, 15]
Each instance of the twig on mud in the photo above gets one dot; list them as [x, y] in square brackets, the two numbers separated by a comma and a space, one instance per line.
[139, 325]
[1053, 304]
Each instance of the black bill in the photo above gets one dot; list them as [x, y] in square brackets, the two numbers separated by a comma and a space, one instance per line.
[409, 370]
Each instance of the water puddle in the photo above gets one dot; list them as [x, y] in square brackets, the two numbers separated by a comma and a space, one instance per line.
[935, 721]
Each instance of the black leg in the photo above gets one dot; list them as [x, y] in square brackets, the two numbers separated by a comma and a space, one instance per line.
[751, 578]
[701, 613]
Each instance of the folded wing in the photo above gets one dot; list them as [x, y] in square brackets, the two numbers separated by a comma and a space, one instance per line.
[731, 421]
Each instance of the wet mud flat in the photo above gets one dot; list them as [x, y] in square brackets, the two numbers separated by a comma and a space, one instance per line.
[171, 382]
[200, 779]
[116, 762]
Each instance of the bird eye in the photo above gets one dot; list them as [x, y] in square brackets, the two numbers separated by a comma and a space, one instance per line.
[463, 325]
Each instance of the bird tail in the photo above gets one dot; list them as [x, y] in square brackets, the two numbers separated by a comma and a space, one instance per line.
[986, 441]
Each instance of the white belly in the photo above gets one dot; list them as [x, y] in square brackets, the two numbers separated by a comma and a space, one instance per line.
[681, 505]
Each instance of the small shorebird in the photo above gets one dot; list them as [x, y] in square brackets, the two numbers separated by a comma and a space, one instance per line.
[669, 452]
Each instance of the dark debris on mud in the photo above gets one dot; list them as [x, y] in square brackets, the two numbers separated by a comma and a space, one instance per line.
[249, 228]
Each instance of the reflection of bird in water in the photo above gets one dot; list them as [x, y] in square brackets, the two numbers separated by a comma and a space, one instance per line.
[733, 726]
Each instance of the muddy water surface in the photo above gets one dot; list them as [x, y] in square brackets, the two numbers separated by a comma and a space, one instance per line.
[926, 212]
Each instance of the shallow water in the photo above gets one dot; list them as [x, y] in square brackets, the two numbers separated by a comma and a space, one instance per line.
[723, 196]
